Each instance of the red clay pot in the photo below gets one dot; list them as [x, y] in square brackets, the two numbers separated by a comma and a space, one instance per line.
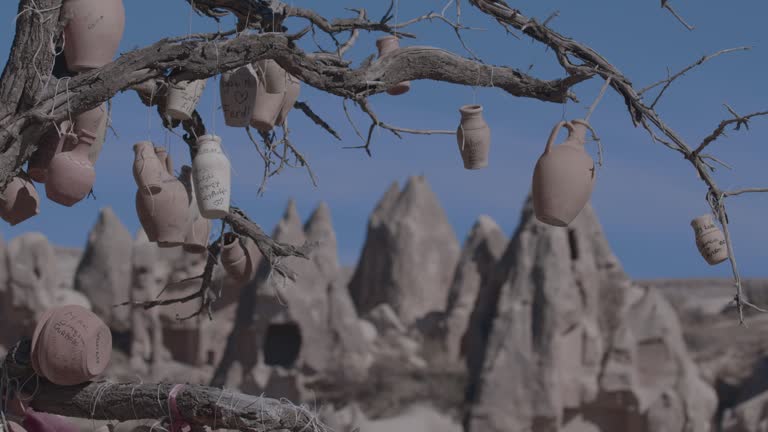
[71, 174]
[387, 45]
[19, 201]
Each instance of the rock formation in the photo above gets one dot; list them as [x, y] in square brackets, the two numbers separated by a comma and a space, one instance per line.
[409, 254]
[104, 272]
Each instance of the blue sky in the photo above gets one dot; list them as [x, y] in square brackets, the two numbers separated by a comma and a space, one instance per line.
[645, 195]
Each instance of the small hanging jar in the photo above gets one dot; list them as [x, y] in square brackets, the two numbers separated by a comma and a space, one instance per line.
[71, 174]
[93, 32]
[35, 421]
[19, 201]
[386, 45]
[564, 176]
[710, 240]
[292, 90]
[266, 106]
[51, 143]
[211, 178]
[95, 121]
[239, 262]
[272, 75]
[474, 137]
[196, 240]
[183, 98]
[238, 92]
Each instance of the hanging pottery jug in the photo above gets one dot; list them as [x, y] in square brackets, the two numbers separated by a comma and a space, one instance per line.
[564, 176]
[238, 92]
[387, 45]
[196, 240]
[35, 421]
[474, 137]
[238, 261]
[272, 75]
[73, 345]
[211, 178]
[710, 240]
[183, 98]
[51, 143]
[19, 201]
[71, 174]
[292, 90]
[266, 107]
[15, 427]
[93, 33]
[161, 200]
[94, 121]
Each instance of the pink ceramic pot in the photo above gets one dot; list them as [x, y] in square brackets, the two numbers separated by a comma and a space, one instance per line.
[292, 90]
[93, 33]
[73, 345]
[387, 45]
[238, 261]
[710, 240]
[196, 240]
[19, 201]
[95, 122]
[35, 421]
[51, 143]
[71, 174]
[238, 91]
[564, 176]
[266, 108]
[474, 137]
[15, 427]
[272, 75]
[183, 98]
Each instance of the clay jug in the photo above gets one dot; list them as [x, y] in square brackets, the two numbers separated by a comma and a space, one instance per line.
[710, 240]
[73, 345]
[211, 178]
[19, 201]
[15, 427]
[292, 90]
[474, 137]
[93, 32]
[387, 45]
[35, 421]
[238, 261]
[238, 91]
[266, 106]
[71, 174]
[51, 143]
[183, 98]
[94, 121]
[564, 176]
[272, 75]
[196, 240]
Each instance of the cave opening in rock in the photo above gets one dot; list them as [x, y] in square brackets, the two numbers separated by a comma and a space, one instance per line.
[282, 344]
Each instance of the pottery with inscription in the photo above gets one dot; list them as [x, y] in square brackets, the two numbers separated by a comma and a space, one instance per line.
[292, 90]
[51, 143]
[71, 345]
[387, 45]
[19, 201]
[266, 107]
[93, 32]
[238, 92]
[239, 257]
[199, 228]
[474, 137]
[183, 98]
[211, 177]
[710, 240]
[564, 176]
[71, 174]
[272, 75]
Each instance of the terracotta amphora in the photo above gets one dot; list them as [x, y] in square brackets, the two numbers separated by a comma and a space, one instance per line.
[292, 90]
[238, 261]
[238, 92]
[71, 174]
[94, 121]
[73, 345]
[710, 240]
[93, 32]
[564, 176]
[474, 137]
[196, 240]
[183, 98]
[387, 45]
[266, 106]
[51, 143]
[272, 75]
[211, 177]
[19, 201]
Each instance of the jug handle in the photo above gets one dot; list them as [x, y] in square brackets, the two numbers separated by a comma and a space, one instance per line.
[553, 135]
[169, 165]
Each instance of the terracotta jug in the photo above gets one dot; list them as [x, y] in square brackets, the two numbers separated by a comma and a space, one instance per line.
[51, 143]
[15, 427]
[161, 200]
[238, 92]
[387, 45]
[19, 201]
[211, 178]
[93, 33]
[564, 176]
[292, 90]
[183, 98]
[266, 107]
[71, 174]
[272, 75]
[35, 421]
[238, 261]
[474, 137]
[710, 240]
[94, 121]
[72, 346]
[196, 240]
